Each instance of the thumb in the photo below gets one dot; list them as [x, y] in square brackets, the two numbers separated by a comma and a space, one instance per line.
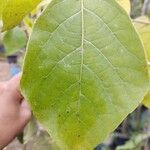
[25, 113]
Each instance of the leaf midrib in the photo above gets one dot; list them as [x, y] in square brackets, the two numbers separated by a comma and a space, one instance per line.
[82, 50]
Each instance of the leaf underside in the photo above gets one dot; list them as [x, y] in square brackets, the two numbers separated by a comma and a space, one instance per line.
[84, 71]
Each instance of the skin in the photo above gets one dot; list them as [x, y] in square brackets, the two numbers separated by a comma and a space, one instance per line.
[14, 111]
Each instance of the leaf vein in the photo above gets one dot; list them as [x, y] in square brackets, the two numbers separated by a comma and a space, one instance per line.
[60, 62]
[88, 10]
[60, 25]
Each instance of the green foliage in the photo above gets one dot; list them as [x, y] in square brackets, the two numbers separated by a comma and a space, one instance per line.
[142, 25]
[84, 72]
[14, 40]
[2, 3]
[146, 100]
[15, 10]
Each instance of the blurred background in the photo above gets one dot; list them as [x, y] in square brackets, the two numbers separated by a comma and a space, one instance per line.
[132, 134]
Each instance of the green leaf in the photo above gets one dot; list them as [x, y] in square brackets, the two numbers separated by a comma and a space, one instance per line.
[84, 72]
[15, 11]
[2, 4]
[14, 40]
[146, 100]
[142, 25]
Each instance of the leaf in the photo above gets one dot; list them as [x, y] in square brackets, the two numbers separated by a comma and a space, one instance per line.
[125, 4]
[146, 100]
[142, 25]
[2, 4]
[84, 71]
[15, 11]
[14, 40]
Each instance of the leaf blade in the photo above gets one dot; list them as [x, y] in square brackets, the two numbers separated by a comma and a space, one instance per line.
[14, 40]
[85, 72]
[2, 5]
[17, 10]
[142, 25]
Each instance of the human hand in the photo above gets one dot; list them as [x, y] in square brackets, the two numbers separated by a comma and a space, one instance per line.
[14, 111]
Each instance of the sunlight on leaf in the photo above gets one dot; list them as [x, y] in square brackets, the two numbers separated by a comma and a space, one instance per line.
[125, 4]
